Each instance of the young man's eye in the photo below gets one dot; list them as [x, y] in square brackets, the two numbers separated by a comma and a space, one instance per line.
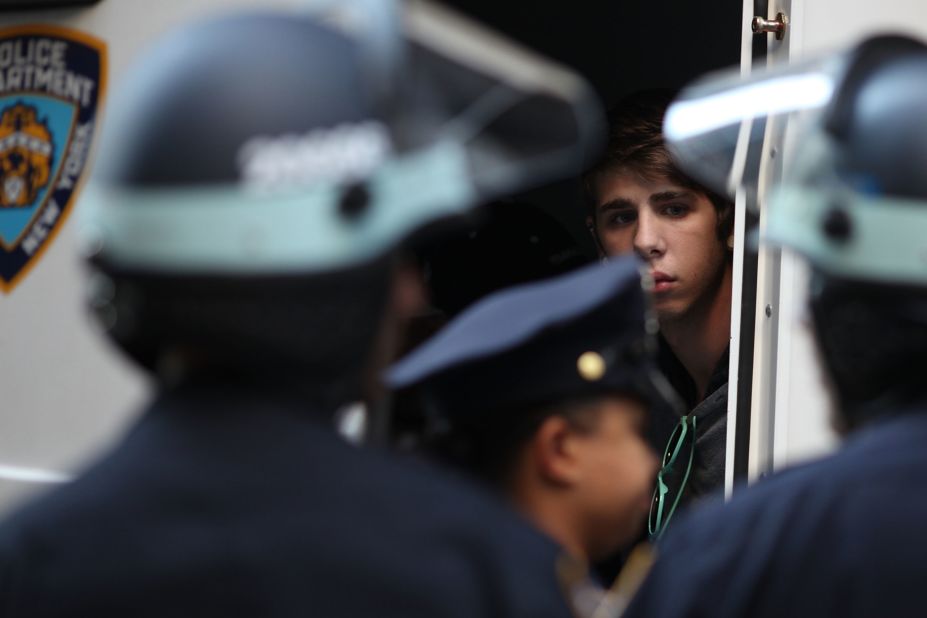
[675, 210]
[622, 217]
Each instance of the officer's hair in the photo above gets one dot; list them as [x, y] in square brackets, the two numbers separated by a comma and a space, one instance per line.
[873, 340]
[635, 145]
[488, 447]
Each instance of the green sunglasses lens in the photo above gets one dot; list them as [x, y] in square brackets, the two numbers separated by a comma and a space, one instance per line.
[657, 522]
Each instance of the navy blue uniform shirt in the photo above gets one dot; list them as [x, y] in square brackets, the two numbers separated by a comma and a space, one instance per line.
[222, 503]
[844, 536]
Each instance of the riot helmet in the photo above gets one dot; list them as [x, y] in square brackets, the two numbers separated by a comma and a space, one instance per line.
[257, 170]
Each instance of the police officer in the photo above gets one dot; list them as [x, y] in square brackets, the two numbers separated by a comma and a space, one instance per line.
[257, 172]
[843, 536]
[541, 391]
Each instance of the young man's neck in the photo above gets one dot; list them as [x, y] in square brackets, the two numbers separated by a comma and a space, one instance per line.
[700, 338]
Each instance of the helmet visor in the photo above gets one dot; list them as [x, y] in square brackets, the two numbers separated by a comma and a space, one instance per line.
[463, 117]
[716, 128]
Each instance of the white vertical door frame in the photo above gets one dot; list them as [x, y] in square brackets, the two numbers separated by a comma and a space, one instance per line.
[769, 350]
[771, 340]
[740, 202]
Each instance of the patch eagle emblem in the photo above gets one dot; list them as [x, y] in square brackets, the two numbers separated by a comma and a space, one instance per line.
[25, 156]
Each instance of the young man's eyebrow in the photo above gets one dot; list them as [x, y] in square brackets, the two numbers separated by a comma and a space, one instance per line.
[615, 204]
[668, 196]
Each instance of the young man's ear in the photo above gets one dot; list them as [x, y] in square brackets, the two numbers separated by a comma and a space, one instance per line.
[409, 296]
[555, 452]
[590, 225]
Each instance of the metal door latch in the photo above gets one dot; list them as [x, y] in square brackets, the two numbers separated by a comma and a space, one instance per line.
[761, 25]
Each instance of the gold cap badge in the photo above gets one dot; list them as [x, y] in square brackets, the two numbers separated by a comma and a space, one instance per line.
[591, 366]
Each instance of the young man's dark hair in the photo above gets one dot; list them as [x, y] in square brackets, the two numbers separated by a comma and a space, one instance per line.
[844, 535]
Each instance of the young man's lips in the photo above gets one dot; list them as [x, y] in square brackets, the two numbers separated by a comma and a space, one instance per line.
[662, 281]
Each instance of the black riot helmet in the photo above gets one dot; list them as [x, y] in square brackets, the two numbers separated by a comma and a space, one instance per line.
[871, 322]
[853, 202]
[257, 170]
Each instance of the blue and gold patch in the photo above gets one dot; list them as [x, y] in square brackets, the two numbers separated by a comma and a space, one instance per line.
[51, 83]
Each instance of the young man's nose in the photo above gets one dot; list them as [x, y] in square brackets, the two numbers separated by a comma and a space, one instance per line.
[648, 241]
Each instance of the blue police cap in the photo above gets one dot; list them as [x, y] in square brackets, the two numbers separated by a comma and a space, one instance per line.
[587, 333]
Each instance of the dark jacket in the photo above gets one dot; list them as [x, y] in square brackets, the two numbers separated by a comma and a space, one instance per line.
[218, 503]
[843, 536]
[708, 463]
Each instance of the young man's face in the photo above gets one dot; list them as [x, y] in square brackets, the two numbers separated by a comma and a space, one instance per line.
[672, 228]
[619, 467]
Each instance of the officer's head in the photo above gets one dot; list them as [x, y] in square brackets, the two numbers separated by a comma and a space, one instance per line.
[864, 230]
[258, 171]
[542, 391]
[853, 200]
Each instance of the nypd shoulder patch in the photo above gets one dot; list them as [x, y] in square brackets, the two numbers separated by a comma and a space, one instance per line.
[51, 83]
